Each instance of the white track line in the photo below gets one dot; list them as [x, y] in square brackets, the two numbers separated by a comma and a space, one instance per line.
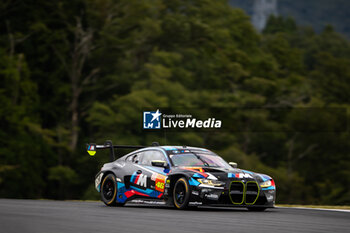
[306, 208]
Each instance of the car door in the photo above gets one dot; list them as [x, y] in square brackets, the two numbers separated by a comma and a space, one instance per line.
[156, 176]
[138, 176]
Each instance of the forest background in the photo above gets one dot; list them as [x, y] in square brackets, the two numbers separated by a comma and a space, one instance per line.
[81, 71]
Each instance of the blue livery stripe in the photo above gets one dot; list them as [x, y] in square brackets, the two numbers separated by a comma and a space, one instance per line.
[193, 182]
[133, 177]
[248, 172]
[197, 175]
[264, 177]
[168, 148]
[121, 198]
[150, 192]
[158, 170]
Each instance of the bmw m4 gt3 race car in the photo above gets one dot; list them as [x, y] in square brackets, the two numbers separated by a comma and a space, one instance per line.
[180, 176]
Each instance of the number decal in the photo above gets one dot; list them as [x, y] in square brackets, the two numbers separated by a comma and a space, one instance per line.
[160, 180]
[159, 186]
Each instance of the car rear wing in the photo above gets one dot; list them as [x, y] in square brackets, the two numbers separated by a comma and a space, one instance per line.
[92, 148]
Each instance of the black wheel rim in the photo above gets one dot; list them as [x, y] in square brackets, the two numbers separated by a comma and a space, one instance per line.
[108, 189]
[180, 192]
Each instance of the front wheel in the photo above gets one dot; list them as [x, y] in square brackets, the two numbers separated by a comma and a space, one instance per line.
[181, 193]
[109, 190]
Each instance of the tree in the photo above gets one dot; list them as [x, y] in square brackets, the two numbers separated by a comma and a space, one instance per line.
[74, 64]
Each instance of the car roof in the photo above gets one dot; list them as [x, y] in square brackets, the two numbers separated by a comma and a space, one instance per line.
[169, 148]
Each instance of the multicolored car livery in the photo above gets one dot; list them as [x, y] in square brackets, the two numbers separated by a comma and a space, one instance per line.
[180, 176]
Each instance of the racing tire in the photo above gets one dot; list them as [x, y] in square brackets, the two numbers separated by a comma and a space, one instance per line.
[257, 209]
[181, 193]
[109, 190]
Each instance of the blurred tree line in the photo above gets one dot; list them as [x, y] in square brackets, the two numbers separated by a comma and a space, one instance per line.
[315, 13]
[81, 71]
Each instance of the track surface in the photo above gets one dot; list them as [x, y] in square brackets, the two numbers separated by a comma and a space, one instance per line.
[42, 216]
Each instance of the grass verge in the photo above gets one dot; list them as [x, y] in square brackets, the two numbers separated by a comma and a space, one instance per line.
[318, 206]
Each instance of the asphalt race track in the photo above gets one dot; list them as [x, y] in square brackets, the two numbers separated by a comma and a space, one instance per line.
[43, 216]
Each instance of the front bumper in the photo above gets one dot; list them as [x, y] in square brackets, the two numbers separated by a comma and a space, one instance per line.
[220, 196]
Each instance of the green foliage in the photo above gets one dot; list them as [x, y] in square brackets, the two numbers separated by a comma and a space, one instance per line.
[62, 174]
[280, 24]
[176, 54]
[313, 13]
[65, 177]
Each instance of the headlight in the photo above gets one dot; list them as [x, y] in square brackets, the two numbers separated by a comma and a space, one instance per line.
[211, 182]
[266, 184]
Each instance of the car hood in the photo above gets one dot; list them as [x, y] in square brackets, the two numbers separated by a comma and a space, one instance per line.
[217, 173]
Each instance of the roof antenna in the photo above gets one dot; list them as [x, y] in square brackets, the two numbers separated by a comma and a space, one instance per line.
[155, 144]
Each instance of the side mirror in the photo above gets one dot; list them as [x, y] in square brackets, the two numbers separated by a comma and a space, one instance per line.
[158, 163]
[233, 164]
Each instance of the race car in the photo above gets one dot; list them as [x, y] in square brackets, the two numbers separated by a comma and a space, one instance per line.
[180, 176]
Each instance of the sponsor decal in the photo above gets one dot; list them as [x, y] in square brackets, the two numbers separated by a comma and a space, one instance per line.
[159, 181]
[139, 201]
[91, 149]
[195, 193]
[160, 186]
[141, 180]
[212, 196]
[240, 175]
[195, 203]
[153, 177]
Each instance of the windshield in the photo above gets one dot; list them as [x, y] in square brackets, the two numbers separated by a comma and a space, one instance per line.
[198, 160]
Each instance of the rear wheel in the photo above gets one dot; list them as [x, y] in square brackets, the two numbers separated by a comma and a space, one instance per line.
[257, 209]
[109, 190]
[181, 193]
